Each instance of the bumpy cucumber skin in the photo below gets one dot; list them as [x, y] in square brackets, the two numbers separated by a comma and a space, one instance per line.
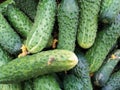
[114, 82]
[9, 39]
[42, 27]
[29, 7]
[3, 5]
[28, 85]
[81, 70]
[71, 82]
[10, 87]
[38, 64]
[18, 20]
[103, 43]
[46, 82]
[103, 74]
[68, 14]
[109, 10]
[88, 23]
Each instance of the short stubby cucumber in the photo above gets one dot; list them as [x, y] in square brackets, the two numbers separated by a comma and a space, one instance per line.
[9, 39]
[29, 7]
[34, 65]
[109, 10]
[71, 82]
[42, 27]
[88, 22]
[103, 74]
[104, 42]
[113, 82]
[18, 20]
[46, 82]
[81, 70]
[68, 14]
[3, 5]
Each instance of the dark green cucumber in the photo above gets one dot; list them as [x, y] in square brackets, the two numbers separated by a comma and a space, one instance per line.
[38, 64]
[88, 23]
[68, 14]
[81, 70]
[9, 39]
[113, 82]
[103, 74]
[46, 82]
[109, 10]
[10, 87]
[29, 7]
[42, 27]
[71, 82]
[18, 20]
[28, 85]
[104, 42]
[4, 4]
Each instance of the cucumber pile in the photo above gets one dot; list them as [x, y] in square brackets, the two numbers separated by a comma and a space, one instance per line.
[59, 44]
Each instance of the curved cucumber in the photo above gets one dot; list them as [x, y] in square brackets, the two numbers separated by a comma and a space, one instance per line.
[81, 70]
[88, 22]
[68, 14]
[42, 27]
[113, 82]
[103, 74]
[104, 42]
[38, 64]
[9, 39]
[28, 7]
[71, 82]
[18, 20]
[46, 82]
[109, 10]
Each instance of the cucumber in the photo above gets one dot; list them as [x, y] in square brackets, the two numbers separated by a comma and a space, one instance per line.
[29, 7]
[28, 85]
[88, 23]
[46, 82]
[109, 10]
[71, 82]
[68, 14]
[4, 4]
[81, 70]
[42, 27]
[34, 65]
[103, 74]
[18, 20]
[10, 87]
[105, 40]
[9, 39]
[113, 82]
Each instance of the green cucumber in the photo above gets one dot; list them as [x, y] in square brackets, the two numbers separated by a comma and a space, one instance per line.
[42, 27]
[104, 42]
[34, 65]
[28, 85]
[10, 87]
[9, 39]
[4, 4]
[103, 74]
[81, 70]
[88, 23]
[46, 82]
[68, 14]
[18, 20]
[109, 10]
[113, 82]
[29, 7]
